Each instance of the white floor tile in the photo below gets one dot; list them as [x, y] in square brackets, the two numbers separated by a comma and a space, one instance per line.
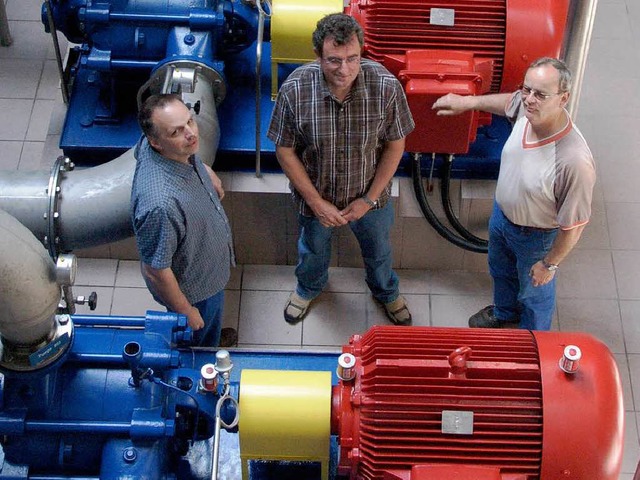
[262, 321]
[19, 78]
[269, 277]
[15, 118]
[129, 275]
[630, 312]
[96, 271]
[31, 157]
[333, 318]
[10, 157]
[39, 121]
[455, 310]
[134, 302]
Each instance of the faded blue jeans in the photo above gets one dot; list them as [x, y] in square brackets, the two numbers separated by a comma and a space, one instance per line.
[512, 252]
[372, 232]
[211, 311]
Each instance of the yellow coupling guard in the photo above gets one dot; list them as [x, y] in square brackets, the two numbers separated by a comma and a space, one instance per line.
[285, 415]
[292, 23]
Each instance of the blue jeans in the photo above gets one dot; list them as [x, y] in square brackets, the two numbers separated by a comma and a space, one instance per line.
[512, 252]
[372, 232]
[211, 311]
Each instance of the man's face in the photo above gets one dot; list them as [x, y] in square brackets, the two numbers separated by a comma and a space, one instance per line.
[541, 95]
[176, 132]
[340, 63]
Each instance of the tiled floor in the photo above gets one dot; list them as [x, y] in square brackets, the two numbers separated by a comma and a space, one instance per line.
[599, 287]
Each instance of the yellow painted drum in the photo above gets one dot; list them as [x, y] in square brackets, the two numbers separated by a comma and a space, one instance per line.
[285, 415]
[292, 24]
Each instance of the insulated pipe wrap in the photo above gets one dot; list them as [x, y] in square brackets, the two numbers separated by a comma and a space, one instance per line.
[29, 293]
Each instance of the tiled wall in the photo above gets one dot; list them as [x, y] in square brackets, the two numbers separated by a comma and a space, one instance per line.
[265, 231]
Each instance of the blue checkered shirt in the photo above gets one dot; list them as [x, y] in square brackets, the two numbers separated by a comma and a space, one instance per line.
[179, 223]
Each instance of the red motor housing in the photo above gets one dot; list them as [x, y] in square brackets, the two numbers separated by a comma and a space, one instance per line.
[505, 35]
[440, 403]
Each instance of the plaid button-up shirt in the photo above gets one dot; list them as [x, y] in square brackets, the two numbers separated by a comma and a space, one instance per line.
[340, 144]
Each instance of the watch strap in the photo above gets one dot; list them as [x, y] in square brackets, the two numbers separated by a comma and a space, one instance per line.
[368, 201]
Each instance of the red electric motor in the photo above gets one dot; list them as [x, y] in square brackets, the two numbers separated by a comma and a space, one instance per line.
[423, 403]
[468, 47]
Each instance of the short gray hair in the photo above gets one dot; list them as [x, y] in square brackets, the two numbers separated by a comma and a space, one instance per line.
[560, 66]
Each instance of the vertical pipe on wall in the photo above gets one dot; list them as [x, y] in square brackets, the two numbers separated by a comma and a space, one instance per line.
[583, 13]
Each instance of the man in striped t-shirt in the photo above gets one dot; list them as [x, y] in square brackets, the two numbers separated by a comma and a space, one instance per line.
[543, 195]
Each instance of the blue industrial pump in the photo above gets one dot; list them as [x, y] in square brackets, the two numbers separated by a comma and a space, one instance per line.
[131, 49]
[95, 397]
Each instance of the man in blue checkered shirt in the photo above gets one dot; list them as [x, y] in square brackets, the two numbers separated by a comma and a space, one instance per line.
[182, 232]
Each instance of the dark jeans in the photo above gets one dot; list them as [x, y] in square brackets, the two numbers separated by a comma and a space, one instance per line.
[512, 252]
[372, 232]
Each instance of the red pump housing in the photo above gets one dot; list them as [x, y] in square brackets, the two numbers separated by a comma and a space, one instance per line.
[423, 42]
[435, 404]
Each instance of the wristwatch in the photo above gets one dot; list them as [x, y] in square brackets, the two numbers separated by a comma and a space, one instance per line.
[368, 201]
[549, 266]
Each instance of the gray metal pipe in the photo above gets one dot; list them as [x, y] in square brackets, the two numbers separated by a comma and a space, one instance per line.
[92, 206]
[29, 294]
[582, 15]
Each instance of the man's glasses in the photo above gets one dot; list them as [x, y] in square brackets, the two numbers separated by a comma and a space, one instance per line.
[337, 62]
[541, 97]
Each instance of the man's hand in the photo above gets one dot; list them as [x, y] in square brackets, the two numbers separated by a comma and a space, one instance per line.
[355, 210]
[450, 104]
[540, 275]
[195, 319]
[327, 214]
[215, 180]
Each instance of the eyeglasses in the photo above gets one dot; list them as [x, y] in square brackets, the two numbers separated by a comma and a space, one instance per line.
[337, 62]
[541, 97]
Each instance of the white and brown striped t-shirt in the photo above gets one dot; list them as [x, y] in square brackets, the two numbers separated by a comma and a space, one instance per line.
[546, 184]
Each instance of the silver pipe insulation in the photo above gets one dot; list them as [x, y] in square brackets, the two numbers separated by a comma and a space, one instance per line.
[582, 14]
[91, 208]
[29, 293]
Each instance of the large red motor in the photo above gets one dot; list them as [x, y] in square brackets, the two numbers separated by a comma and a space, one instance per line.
[468, 47]
[434, 404]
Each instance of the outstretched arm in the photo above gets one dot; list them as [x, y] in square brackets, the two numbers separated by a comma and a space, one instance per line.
[452, 104]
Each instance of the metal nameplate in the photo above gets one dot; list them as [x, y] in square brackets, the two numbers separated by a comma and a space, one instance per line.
[457, 422]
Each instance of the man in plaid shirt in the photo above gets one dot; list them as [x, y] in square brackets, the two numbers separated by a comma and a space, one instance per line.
[339, 125]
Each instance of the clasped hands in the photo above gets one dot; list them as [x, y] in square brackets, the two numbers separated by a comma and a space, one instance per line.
[329, 215]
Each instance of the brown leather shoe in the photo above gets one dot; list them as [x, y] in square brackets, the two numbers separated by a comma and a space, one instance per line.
[398, 312]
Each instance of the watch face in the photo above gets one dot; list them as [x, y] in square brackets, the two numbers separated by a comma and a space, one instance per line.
[551, 268]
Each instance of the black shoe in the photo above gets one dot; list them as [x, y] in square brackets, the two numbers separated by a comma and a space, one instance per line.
[486, 319]
[228, 337]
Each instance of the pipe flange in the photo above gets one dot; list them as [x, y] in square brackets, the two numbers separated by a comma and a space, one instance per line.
[26, 358]
[52, 239]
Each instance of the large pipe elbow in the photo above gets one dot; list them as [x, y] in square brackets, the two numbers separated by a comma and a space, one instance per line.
[86, 208]
[29, 293]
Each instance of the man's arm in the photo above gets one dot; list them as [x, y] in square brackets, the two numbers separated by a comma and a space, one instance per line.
[387, 166]
[326, 212]
[452, 104]
[562, 246]
[215, 179]
[163, 284]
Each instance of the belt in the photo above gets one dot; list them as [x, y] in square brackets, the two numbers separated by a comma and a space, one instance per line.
[525, 229]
